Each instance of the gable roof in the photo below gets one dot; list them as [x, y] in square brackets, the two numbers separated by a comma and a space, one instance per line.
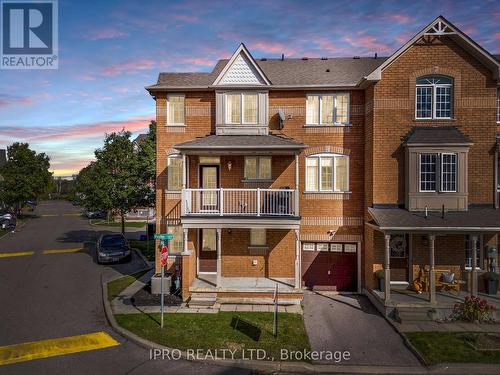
[284, 73]
[244, 70]
[434, 135]
[441, 26]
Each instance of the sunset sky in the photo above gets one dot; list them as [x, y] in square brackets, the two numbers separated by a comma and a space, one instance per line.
[110, 50]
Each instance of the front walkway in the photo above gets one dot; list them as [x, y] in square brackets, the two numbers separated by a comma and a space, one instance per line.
[351, 323]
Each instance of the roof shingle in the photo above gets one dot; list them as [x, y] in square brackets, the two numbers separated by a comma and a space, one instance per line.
[435, 135]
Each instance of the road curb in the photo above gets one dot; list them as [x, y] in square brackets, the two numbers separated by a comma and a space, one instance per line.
[146, 262]
[253, 364]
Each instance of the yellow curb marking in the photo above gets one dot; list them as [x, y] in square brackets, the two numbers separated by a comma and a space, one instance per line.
[18, 254]
[57, 251]
[55, 347]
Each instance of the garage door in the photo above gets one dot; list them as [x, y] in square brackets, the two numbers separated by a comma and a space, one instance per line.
[329, 266]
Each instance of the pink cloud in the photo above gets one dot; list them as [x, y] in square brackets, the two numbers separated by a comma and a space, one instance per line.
[200, 61]
[185, 18]
[107, 33]
[497, 36]
[271, 47]
[397, 17]
[128, 67]
[75, 131]
[369, 43]
[7, 100]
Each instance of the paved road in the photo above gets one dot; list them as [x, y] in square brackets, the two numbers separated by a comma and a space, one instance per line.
[351, 323]
[44, 296]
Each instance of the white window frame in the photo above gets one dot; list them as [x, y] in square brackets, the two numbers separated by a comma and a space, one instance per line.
[172, 250]
[257, 168]
[168, 110]
[242, 108]
[498, 106]
[333, 156]
[420, 172]
[175, 156]
[442, 171]
[308, 246]
[434, 95]
[320, 111]
[479, 253]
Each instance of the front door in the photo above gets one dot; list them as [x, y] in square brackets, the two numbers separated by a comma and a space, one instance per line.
[209, 179]
[207, 250]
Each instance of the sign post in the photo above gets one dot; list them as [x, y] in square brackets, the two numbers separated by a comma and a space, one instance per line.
[163, 259]
[275, 322]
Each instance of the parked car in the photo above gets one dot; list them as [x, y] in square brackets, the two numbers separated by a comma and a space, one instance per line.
[8, 219]
[113, 248]
[94, 214]
[76, 202]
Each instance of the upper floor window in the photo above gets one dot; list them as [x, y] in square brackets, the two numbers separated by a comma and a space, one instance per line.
[258, 237]
[175, 245]
[241, 108]
[175, 109]
[174, 172]
[438, 172]
[327, 172]
[498, 105]
[327, 109]
[434, 97]
[257, 168]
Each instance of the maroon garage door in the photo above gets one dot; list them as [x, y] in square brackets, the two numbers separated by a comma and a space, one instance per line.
[329, 266]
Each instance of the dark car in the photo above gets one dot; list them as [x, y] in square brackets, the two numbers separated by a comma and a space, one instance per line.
[94, 214]
[8, 219]
[113, 248]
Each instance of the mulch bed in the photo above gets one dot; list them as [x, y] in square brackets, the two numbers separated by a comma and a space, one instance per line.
[144, 298]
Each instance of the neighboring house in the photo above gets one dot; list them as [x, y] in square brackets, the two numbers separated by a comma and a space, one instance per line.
[316, 172]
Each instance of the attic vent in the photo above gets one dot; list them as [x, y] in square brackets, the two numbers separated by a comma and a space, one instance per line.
[263, 59]
[305, 58]
[328, 70]
[324, 58]
[356, 57]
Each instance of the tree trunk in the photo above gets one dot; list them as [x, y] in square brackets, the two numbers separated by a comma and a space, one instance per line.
[123, 223]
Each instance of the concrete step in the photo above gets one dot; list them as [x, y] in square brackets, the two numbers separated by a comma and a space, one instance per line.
[200, 304]
[400, 285]
[204, 296]
[405, 315]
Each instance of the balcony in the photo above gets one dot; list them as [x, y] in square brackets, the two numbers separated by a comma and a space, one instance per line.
[240, 202]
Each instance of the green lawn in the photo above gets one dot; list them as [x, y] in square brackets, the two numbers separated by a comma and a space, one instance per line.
[115, 287]
[254, 330]
[149, 253]
[111, 223]
[448, 347]
[3, 231]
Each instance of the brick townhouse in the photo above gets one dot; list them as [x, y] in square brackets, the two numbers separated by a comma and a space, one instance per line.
[317, 172]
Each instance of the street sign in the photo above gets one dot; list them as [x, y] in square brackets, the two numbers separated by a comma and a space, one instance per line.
[164, 255]
[164, 236]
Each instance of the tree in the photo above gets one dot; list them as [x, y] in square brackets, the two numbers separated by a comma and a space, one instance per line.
[25, 176]
[147, 163]
[115, 180]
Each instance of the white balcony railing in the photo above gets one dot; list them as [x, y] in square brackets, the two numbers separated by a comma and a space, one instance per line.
[239, 202]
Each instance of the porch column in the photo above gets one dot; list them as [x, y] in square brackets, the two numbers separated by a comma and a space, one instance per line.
[298, 266]
[219, 257]
[387, 269]
[473, 291]
[296, 185]
[184, 171]
[432, 279]
[185, 241]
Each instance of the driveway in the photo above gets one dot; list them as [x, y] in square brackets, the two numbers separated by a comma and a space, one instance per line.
[351, 323]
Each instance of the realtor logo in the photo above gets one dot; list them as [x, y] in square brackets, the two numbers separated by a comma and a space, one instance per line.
[29, 34]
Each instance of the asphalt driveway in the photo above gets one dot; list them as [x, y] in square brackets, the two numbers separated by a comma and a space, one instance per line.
[351, 323]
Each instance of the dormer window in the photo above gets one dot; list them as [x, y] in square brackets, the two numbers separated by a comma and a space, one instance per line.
[241, 108]
[434, 97]
[438, 172]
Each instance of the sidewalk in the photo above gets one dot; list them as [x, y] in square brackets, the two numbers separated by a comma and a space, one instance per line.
[123, 304]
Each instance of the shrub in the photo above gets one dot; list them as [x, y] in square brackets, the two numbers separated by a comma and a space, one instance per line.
[493, 276]
[473, 309]
[380, 274]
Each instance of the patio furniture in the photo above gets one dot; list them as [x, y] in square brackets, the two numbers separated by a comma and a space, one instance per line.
[440, 283]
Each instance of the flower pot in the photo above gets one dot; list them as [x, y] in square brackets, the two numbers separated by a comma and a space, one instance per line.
[381, 285]
[491, 286]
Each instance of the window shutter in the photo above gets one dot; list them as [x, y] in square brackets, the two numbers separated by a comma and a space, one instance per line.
[263, 108]
[219, 108]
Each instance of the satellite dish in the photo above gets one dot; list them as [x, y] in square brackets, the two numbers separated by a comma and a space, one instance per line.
[281, 115]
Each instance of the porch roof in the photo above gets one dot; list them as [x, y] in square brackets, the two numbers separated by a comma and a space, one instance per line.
[398, 219]
[227, 144]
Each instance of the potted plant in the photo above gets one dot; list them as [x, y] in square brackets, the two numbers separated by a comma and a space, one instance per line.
[491, 282]
[380, 275]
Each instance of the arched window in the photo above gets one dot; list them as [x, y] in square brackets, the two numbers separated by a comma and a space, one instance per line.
[434, 97]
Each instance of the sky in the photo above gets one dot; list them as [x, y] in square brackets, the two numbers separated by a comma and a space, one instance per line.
[109, 50]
